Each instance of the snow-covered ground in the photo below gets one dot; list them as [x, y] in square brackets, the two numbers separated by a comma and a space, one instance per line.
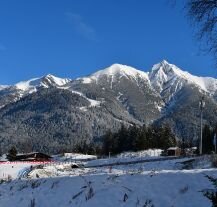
[128, 157]
[73, 157]
[165, 183]
[162, 189]
[14, 169]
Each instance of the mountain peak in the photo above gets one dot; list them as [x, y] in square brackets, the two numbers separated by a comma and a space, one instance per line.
[163, 73]
[114, 65]
[165, 68]
[112, 70]
[119, 69]
[48, 76]
[116, 71]
[164, 62]
[44, 81]
[53, 80]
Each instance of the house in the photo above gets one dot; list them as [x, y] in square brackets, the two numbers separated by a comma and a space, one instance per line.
[174, 151]
[33, 156]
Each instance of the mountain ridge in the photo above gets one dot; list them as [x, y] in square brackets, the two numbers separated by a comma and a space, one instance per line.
[53, 113]
[122, 70]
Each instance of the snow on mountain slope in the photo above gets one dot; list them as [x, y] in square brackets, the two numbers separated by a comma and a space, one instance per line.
[3, 87]
[164, 80]
[58, 81]
[46, 82]
[93, 103]
[123, 70]
[13, 93]
[162, 76]
[164, 73]
[117, 71]
[158, 77]
[26, 85]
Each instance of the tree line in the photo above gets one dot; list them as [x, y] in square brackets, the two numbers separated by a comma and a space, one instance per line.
[137, 138]
[131, 138]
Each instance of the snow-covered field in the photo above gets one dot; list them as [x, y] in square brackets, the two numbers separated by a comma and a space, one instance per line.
[168, 183]
[128, 157]
[14, 169]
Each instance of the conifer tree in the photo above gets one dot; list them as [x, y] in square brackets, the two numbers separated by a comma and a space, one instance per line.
[108, 143]
[207, 140]
[12, 153]
[138, 139]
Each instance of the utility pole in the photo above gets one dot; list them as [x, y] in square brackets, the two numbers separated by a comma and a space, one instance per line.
[214, 142]
[201, 106]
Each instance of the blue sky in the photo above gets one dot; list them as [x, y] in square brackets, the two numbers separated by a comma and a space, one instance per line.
[72, 38]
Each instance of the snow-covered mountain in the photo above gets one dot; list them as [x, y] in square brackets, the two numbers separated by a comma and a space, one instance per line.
[168, 77]
[45, 82]
[164, 80]
[131, 87]
[85, 108]
[115, 72]
[12, 93]
[161, 77]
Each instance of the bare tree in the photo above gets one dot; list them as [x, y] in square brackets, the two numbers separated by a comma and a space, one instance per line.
[203, 14]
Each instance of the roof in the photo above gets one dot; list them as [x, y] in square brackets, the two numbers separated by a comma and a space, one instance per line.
[173, 148]
[31, 156]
